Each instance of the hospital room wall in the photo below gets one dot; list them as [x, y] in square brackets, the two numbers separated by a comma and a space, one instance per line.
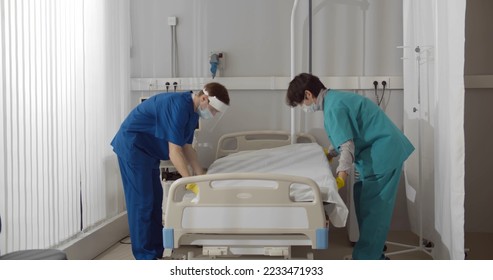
[477, 117]
[349, 40]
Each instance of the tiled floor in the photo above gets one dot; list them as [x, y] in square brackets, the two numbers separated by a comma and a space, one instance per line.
[478, 245]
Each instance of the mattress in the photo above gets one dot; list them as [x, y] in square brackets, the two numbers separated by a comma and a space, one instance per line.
[303, 159]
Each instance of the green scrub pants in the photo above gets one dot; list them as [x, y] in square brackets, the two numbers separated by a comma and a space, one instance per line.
[374, 199]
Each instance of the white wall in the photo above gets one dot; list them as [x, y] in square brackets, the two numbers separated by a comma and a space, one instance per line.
[478, 115]
[255, 37]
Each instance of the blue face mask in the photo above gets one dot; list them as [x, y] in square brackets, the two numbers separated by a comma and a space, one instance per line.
[205, 113]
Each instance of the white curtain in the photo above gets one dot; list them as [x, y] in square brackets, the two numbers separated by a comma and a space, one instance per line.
[64, 90]
[434, 37]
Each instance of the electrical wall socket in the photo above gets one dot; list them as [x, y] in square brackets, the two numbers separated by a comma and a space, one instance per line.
[170, 84]
[367, 82]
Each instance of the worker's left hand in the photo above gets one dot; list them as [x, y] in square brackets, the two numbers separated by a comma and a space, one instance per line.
[193, 188]
[340, 183]
[341, 179]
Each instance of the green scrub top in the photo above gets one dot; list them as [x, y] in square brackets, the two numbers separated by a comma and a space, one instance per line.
[379, 145]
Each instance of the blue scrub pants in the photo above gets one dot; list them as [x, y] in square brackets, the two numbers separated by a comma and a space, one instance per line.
[374, 199]
[143, 197]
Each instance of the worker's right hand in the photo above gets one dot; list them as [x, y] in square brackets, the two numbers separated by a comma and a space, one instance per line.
[328, 154]
[193, 188]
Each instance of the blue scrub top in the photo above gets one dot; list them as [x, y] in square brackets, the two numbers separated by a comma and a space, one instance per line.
[379, 145]
[144, 135]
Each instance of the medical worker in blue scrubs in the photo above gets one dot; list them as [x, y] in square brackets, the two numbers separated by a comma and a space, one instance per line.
[160, 128]
[360, 133]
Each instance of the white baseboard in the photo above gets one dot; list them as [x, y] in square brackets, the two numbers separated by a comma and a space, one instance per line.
[96, 241]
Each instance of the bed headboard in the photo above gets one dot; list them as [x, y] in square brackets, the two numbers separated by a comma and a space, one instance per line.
[254, 140]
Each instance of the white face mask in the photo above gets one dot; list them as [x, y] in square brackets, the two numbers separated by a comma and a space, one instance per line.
[205, 113]
[310, 108]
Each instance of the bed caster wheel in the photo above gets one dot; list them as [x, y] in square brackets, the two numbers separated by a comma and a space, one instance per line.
[347, 257]
[428, 244]
[309, 256]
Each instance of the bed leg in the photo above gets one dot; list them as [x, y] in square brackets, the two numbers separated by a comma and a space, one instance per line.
[190, 255]
[167, 253]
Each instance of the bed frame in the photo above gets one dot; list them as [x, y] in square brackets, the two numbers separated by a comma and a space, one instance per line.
[222, 221]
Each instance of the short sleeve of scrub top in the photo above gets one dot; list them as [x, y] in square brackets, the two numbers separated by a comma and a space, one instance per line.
[338, 121]
[176, 119]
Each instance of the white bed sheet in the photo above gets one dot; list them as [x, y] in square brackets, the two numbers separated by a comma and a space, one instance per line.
[303, 159]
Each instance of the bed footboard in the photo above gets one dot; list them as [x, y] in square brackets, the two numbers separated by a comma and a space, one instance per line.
[244, 210]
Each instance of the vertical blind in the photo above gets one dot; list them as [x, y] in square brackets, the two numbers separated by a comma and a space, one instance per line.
[63, 71]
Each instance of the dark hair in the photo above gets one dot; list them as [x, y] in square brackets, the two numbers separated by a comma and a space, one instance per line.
[218, 90]
[296, 90]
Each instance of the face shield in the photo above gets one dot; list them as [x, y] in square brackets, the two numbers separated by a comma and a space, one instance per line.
[218, 108]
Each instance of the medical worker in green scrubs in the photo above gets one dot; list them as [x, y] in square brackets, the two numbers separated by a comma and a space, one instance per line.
[360, 133]
[160, 128]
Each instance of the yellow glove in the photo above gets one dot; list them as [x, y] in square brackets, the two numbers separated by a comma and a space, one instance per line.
[340, 183]
[327, 154]
[193, 188]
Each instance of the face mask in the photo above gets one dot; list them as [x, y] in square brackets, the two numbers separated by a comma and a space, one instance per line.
[310, 108]
[205, 113]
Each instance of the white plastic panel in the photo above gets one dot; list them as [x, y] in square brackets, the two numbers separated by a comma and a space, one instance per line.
[244, 217]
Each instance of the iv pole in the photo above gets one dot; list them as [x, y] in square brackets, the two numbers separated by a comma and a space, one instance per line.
[421, 247]
[293, 70]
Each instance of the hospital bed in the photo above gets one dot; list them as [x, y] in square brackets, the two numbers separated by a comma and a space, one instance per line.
[261, 196]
